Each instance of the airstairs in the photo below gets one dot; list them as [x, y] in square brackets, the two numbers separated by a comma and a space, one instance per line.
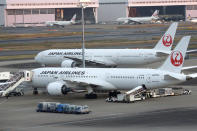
[15, 80]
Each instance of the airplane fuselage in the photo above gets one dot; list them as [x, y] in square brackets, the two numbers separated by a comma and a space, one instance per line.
[107, 56]
[60, 23]
[136, 19]
[117, 79]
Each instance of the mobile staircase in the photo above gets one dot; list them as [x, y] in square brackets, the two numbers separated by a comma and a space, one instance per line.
[15, 80]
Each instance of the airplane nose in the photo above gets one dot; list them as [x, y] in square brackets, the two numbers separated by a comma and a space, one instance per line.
[38, 58]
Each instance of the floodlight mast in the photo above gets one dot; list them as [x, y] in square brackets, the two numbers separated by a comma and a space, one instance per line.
[83, 6]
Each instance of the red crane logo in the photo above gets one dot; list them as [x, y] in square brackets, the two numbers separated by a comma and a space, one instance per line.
[167, 40]
[176, 58]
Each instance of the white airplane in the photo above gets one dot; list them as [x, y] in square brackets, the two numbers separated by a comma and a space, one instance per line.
[193, 20]
[126, 20]
[61, 23]
[110, 57]
[60, 81]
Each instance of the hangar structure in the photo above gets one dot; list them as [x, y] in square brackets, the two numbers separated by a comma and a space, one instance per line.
[35, 13]
[110, 10]
[177, 9]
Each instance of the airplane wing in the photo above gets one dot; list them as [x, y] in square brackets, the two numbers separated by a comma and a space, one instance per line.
[94, 83]
[92, 62]
[193, 76]
[130, 20]
[189, 68]
[161, 53]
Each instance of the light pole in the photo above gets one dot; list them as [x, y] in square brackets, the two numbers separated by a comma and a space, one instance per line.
[83, 6]
[83, 34]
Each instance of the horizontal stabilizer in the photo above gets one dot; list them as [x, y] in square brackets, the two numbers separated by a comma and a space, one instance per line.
[189, 68]
[192, 76]
[191, 51]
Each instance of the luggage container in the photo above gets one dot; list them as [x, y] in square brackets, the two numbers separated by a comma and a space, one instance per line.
[62, 108]
[82, 110]
[71, 108]
[47, 106]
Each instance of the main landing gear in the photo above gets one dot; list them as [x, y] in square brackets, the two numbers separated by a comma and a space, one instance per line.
[91, 94]
[35, 91]
[114, 93]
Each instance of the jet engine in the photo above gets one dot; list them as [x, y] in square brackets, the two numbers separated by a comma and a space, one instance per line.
[57, 88]
[68, 63]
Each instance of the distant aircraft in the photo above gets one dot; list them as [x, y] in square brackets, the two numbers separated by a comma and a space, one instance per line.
[193, 20]
[60, 81]
[110, 57]
[126, 20]
[61, 23]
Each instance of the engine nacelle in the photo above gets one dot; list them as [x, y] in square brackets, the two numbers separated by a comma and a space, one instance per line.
[57, 88]
[68, 63]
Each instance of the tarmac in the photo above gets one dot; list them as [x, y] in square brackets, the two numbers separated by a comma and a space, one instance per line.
[165, 113]
[177, 113]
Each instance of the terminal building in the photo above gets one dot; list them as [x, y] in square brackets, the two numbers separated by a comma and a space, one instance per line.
[35, 13]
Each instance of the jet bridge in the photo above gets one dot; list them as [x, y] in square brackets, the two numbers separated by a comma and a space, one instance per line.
[15, 80]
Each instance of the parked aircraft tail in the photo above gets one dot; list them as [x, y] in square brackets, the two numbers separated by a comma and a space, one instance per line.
[155, 14]
[166, 41]
[175, 60]
[73, 18]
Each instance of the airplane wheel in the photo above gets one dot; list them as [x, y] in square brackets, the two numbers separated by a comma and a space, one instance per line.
[35, 91]
[114, 93]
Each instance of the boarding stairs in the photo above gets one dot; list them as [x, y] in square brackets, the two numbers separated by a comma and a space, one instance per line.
[14, 82]
[136, 91]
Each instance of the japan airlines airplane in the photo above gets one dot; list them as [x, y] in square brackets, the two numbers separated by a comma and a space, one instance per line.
[126, 20]
[60, 81]
[110, 57]
[193, 20]
[61, 23]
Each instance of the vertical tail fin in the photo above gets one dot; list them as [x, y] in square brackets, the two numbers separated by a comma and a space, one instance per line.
[155, 14]
[166, 41]
[175, 60]
[73, 18]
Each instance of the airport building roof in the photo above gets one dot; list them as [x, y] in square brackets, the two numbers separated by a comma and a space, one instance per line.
[161, 2]
[112, 1]
[26, 4]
